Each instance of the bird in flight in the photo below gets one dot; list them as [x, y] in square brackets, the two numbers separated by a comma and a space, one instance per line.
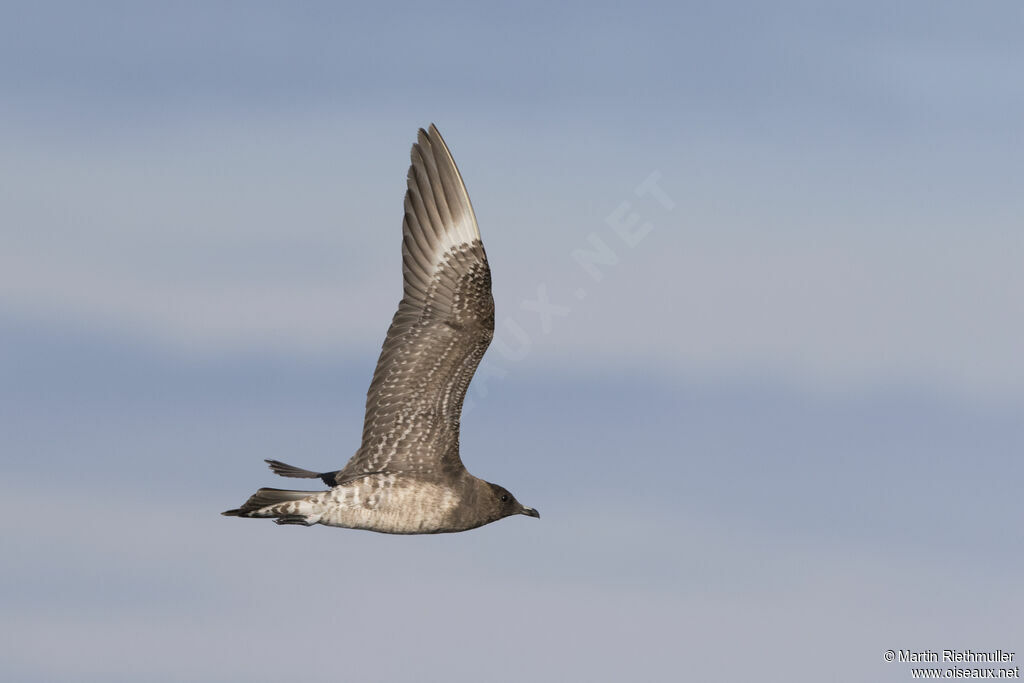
[407, 476]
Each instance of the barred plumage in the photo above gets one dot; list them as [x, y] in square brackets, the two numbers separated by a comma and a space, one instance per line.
[407, 475]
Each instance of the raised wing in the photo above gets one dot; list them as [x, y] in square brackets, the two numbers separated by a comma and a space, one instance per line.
[441, 330]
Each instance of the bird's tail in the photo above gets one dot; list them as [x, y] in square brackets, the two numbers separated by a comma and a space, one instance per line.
[270, 503]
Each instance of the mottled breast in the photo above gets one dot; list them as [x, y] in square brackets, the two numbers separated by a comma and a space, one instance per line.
[390, 504]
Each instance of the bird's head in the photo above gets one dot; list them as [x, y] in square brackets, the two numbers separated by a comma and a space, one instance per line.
[504, 504]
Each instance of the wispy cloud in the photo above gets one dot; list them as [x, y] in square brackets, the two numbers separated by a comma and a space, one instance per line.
[769, 414]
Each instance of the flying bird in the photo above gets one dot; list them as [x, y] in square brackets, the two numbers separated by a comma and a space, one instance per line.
[407, 476]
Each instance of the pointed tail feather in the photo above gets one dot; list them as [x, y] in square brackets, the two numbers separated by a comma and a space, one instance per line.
[265, 497]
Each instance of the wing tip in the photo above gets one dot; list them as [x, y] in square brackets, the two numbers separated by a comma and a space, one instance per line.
[439, 214]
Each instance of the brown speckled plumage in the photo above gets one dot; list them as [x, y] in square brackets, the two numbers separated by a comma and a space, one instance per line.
[407, 476]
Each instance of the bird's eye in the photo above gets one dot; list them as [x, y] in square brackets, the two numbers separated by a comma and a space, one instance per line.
[504, 498]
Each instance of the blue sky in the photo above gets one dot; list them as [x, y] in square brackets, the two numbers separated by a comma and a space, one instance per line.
[779, 434]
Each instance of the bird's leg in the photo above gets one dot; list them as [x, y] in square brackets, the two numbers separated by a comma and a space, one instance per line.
[301, 520]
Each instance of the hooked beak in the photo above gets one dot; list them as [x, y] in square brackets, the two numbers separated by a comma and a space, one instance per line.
[529, 512]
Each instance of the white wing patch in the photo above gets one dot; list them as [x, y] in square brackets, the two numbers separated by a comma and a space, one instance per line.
[439, 216]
